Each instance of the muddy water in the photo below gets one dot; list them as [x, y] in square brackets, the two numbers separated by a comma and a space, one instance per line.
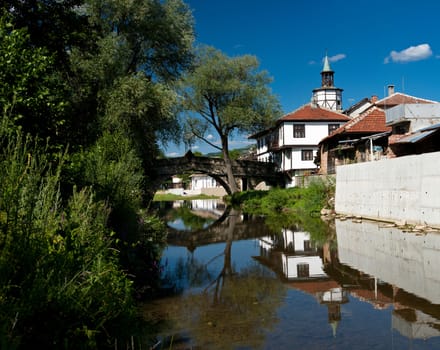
[234, 283]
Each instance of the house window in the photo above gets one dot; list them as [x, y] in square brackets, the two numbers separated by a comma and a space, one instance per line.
[307, 246]
[306, 154]
[302, 270]
[401, 129]
[332, 127]
[299, 131]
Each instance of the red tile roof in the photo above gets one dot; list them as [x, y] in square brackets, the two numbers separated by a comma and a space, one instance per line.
[309, 113]
[314, 286]
[398, 99]
[370, 122]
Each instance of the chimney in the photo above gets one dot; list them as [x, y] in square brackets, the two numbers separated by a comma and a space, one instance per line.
[373, 99]
[390, 90]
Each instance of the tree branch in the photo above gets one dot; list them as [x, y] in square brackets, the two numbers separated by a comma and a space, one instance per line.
[199, 136]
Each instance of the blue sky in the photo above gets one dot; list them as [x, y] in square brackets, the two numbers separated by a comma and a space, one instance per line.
[370, 44]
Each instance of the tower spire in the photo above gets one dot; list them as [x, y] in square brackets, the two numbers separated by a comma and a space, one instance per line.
[327, 75]
[326, 67]
[327, 96]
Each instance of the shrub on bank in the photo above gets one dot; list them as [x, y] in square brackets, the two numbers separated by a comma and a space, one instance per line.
[309, 199]
[61, 284]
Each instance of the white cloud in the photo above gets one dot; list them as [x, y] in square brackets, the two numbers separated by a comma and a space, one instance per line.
[338, 57]
[335, 58]
[172, 154]
[410, 54]
[210, 137]
[240, 143]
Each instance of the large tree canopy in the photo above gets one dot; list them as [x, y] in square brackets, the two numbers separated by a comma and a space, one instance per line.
[105, 49]
[229, 95]
[140, 48]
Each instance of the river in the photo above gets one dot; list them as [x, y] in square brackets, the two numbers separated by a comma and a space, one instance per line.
[240, 282]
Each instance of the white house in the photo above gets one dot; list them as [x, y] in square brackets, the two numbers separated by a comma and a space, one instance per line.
[293, 142]
[203, 183]
[200, 181]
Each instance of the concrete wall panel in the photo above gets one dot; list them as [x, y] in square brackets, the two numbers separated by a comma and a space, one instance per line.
[399, 189]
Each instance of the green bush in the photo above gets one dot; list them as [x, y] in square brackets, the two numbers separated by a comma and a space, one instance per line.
[113, 170]
[60, 279]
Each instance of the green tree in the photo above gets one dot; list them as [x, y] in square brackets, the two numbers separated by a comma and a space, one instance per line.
[31, 96]
[229, 96]
[118, 61]
[139, 49]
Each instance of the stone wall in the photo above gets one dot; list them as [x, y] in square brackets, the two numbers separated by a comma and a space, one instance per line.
[400, 189]
[214, 191]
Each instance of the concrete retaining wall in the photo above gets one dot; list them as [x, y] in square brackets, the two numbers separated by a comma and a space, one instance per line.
[398, 189]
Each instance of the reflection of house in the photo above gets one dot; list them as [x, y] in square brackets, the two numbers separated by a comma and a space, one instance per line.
[294, 256]
[403, 261]
[415, 324]
[399, 258]
[300, 259]
[212, 206]
[293, 142]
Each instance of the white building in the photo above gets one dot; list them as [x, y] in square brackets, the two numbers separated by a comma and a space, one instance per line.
[205, 184]
[410, 118]
[293, 142]
[200, 181]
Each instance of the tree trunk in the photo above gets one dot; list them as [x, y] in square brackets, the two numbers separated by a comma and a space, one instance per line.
[228, 165]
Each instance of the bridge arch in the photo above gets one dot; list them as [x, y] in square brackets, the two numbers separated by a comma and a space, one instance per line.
[248, 171]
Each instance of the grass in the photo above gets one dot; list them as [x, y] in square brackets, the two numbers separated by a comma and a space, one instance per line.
[166, 197]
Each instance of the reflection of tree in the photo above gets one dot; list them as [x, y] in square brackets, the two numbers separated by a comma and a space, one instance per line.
[234, 309]
[237, 312]
[191, 221]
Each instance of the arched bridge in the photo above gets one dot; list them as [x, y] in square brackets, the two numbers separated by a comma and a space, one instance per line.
[249, 172]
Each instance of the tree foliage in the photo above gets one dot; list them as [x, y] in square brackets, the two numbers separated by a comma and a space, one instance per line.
[229, 96]
[107, 52]
[139, 48]
[31, 96]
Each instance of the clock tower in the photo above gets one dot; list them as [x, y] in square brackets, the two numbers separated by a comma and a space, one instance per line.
[327, 96]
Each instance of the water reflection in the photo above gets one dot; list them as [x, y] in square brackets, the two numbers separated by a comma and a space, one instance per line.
[353, 285]
[191, 215]
[405, 261]
[226, 299]
[300, 264]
